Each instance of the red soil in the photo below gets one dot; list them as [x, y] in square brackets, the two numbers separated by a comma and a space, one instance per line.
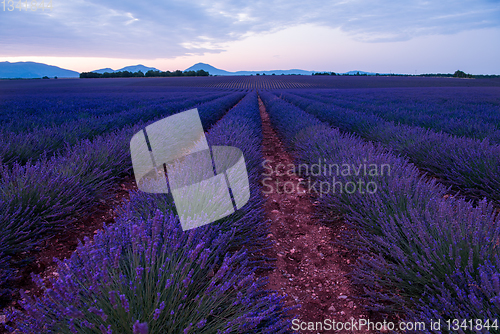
[310, 270]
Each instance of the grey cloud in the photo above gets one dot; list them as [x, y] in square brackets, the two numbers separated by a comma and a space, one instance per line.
[151, 29]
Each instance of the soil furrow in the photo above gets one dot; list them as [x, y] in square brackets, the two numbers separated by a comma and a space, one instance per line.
[310, 270]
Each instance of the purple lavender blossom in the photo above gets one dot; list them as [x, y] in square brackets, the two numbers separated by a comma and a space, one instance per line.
[140, 328]
[125, 303]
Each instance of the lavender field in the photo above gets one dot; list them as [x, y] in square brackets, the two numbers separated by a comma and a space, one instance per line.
[423, 247]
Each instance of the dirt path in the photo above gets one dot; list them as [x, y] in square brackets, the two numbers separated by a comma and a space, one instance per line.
[309, 269]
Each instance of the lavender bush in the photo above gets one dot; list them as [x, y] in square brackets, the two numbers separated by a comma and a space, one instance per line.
[25, 146]
[26, 112]
[469, 112]
[151, 277]
[469, 165]
[241, 128]
[42, 196]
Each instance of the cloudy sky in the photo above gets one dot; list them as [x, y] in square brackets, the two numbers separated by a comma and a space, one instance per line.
[409, 36]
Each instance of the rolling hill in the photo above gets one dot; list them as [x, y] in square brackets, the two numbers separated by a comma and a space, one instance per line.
[133, 68]
[32, 70]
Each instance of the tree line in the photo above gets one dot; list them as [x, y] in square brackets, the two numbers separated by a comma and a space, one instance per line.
[150, 73]
[457, 74]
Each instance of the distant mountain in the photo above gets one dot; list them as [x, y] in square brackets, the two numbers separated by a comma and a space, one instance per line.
[215, 71]
[104, 70]
[31, 70]
[136, 68]
[209, 68]
[133, 68]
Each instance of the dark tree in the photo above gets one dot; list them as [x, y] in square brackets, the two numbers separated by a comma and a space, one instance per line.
[461, 74]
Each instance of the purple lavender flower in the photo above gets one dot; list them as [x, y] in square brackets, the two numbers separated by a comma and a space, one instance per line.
[124, 302]
[188, 328]
[202, 323]
[112, 298]
[188, 279]
[116, 252]
[72, 327]
[158, 311]
[98, 312]
[140, 328]
[87, 324]
[138, 273]
[105, 330]
[73, 312]
[204, 257]
[194, 253]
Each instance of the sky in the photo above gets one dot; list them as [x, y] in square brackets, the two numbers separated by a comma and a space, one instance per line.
[385, 36]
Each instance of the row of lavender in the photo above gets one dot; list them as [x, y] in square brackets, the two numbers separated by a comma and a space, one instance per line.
[38, 198]
[468, 112]
[144, 274]
[30, 145]
[470, 165]
[24, 111]
[422, 254]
